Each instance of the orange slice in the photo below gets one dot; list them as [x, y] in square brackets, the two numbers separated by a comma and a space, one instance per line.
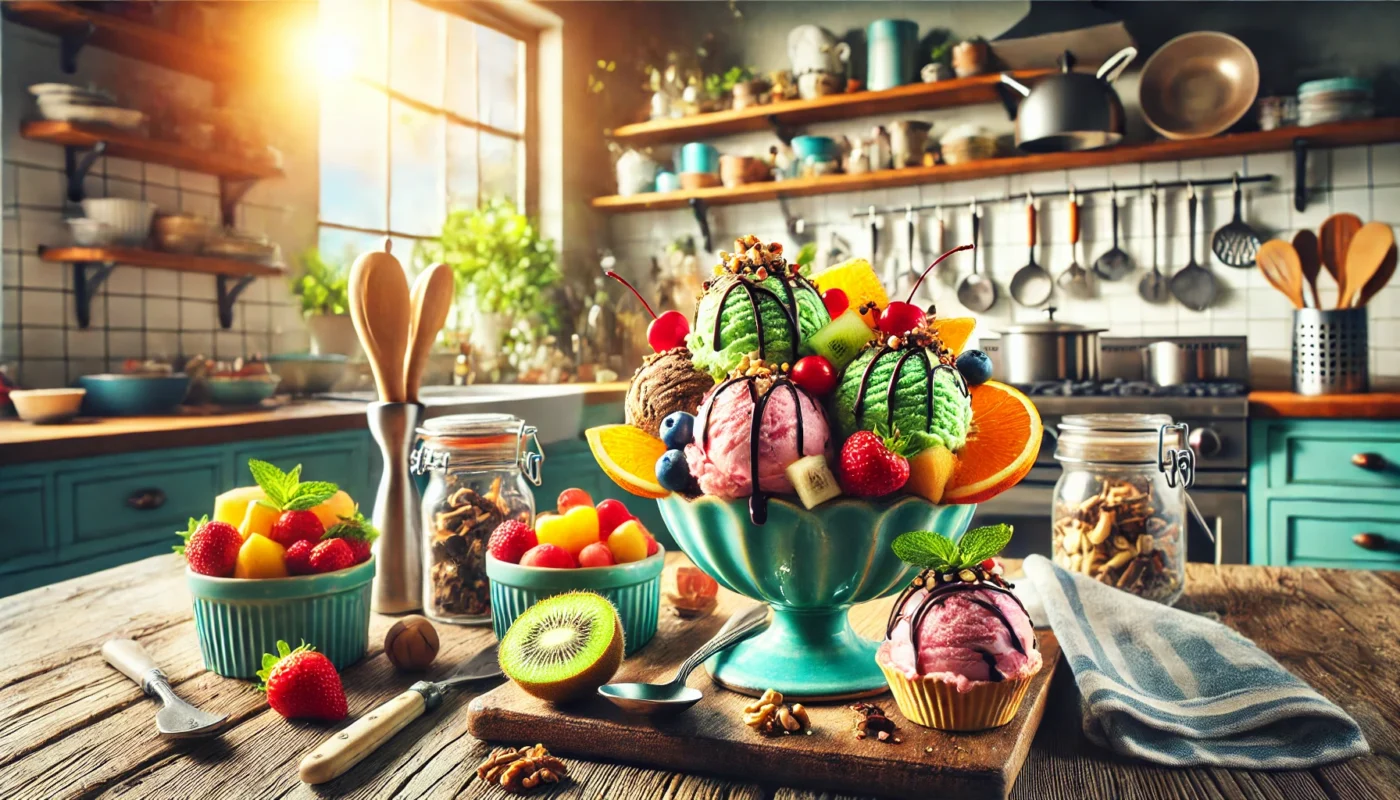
[1001, 447]
[954, 332]
[628, 455]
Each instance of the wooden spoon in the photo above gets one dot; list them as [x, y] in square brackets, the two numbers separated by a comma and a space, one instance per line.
[433, 292]
[1380, 279]
[1364, 258]
[1279, 262]
[1310, 256]
[379, 309]
[1335, 239]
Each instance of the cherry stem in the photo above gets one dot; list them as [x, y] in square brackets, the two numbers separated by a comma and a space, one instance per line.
[938, 261]
[632, 289]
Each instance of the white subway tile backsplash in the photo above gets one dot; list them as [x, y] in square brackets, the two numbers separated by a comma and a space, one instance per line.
[228, 344]
[1354, 201]
[161, 175]
[125, 280]
[162, 283]
[198, 286]
[162, 344]
[40, 342]
[124, 312]
[193, 343]
[44, 307]
[40, 187]
[42, 374]
[86, 343]
[1351, 167]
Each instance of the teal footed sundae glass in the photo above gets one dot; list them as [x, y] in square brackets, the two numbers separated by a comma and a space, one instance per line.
[810, 566]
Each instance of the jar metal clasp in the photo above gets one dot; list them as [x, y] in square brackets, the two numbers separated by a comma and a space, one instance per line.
[530, 460]
[426, 459]
[1177, 464]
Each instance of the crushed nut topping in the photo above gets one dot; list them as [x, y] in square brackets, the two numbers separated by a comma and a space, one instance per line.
[770, 716]
[520, 770]
[871, 721]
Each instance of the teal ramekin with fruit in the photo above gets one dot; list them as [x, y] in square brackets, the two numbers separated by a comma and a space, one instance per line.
[285, 560]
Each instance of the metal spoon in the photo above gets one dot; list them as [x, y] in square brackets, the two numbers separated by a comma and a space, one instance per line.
[1075, 279]
[976, 292]
[1031, 285]
[1193, 285]
[653, 698]
[1115, 264]
[1153, 286]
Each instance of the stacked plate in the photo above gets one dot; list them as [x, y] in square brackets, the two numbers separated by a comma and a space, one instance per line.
[64, 102]
[1334, 100]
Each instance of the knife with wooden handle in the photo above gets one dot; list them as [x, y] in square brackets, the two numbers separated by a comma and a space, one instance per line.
[336, 755]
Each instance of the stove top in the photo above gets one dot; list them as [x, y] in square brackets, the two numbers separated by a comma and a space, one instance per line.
[1125, 388]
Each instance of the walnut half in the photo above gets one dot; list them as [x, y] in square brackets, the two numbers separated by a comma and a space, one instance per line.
[770, 716]
[520, 770]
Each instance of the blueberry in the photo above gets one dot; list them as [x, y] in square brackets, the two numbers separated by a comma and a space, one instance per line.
[672, 472]
[975, 366]
[677, 429]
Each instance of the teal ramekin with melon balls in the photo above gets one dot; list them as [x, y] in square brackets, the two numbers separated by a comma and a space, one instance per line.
[319, 595]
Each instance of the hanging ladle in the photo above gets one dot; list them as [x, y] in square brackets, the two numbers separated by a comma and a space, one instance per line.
[1031, 285]
[976, 292]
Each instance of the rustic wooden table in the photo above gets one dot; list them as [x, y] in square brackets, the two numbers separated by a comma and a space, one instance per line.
[71, 726]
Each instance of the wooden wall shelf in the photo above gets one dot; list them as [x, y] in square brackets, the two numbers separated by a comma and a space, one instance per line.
[788, 113]
[80, 24]
[141, 148]
[1339, 134]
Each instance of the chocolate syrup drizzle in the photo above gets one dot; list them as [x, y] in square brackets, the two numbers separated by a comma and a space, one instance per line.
[931, 371]
[758, 501]
[938, 594]
[752, 289]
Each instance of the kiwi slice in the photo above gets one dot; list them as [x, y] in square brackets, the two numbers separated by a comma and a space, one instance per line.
[563, 647]
[841, 339]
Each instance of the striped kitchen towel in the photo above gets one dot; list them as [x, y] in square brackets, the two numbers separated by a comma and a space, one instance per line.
[1172, 687]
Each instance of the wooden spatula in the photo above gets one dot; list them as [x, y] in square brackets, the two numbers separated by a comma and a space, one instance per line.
[1380, 279]
[1334, 238]
[379, 309]
[1364, 259]
[1310, 257]
[433, 292]
[1279, 262]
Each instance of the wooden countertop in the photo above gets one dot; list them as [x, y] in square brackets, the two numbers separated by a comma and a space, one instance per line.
[71, 726]
[21, 442]
[1371, 405]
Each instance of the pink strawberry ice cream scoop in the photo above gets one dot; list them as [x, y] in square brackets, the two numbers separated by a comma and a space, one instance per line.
[967, 632]
[721, 455]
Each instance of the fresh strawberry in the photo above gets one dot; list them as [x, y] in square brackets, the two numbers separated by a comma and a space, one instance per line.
[302, 684]
[653, 546]
[331, 555]
[294, 526]
[611, 513]
[872, 466]
[356, 532]
[211, 548]
[298, 557]
[510, 540]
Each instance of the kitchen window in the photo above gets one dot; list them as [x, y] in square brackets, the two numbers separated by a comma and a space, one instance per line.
[422, 111]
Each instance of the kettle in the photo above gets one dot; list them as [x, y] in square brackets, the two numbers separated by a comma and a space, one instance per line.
[1071, 110]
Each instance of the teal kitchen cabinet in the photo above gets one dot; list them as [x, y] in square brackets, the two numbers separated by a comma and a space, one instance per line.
[67, 518]
[1325, 493]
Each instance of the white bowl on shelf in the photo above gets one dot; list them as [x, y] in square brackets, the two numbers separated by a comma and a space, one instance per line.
[61, 109]
[129, 220]
[47, 406]
[90, 233]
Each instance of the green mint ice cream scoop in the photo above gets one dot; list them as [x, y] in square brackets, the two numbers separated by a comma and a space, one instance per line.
[738, 316]
[927, 402]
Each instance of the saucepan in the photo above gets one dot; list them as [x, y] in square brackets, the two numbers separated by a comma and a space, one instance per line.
[1049, 350]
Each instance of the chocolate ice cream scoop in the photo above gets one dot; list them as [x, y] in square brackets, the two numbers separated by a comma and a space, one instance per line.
[665, 383]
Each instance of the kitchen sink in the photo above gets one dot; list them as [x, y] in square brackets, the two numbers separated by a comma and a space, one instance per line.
[556, 410]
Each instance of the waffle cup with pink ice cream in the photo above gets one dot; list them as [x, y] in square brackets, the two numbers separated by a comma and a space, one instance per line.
[959, 651]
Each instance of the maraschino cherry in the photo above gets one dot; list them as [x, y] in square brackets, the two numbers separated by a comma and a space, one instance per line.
[666, 331]
[902, 316]
[836, 302]
[815, 374]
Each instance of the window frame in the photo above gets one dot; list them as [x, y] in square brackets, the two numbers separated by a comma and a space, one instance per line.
[527, 138]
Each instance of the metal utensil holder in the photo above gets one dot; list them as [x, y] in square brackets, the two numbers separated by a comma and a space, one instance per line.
[1331, 351]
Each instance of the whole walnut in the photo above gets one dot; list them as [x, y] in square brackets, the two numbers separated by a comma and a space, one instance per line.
[412, 643]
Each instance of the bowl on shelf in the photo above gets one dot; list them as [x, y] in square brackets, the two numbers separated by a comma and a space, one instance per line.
[691, 181]
[181, 233]
[1198, 85]
[112, 395]
[238, 620]
[65, 110]
[130, 220]
[633, 588]
[240, 246]
[47, 406]
[304, 373]
[738, 170]
[249, 390]
[90, 233]
[811, 566]
[815, 148]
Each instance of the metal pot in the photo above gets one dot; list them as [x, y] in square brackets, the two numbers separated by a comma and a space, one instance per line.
[1168, 363]
[1049, 351]
[1071, 110]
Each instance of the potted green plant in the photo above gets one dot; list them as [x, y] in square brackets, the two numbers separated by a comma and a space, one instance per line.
[502, 264]
[323, 287]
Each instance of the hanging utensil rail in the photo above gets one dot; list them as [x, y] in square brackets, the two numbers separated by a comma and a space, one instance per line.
[868, 210]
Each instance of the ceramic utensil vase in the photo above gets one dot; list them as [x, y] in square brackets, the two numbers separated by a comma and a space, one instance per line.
[398, 583]
[811, 567]
[1330, 351]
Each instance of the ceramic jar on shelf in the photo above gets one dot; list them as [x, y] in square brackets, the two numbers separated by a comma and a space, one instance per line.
[819, 61]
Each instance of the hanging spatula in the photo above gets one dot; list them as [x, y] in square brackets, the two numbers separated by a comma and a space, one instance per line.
[176, 718]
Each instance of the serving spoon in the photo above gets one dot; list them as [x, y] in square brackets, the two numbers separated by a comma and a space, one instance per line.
[659, 698]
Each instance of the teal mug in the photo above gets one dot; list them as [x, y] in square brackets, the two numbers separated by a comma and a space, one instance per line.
[699, 157]
[891, 53]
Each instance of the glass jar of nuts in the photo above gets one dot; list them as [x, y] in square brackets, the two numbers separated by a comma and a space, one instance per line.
[1119, 510]
[479, 465]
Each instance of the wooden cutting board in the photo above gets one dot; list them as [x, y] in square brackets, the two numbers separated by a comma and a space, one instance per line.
[710, 738]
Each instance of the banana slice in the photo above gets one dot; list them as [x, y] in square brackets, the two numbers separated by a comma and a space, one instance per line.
[812, 479]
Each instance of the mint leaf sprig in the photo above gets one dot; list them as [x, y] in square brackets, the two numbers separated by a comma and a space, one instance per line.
[929, 550]
[286, 491]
